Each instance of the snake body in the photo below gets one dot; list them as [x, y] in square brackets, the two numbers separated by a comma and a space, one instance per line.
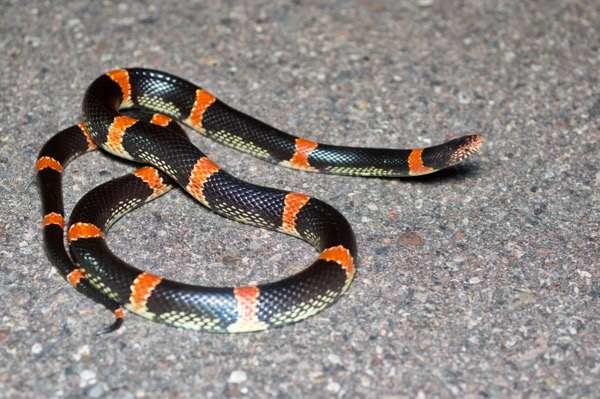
[158, 141]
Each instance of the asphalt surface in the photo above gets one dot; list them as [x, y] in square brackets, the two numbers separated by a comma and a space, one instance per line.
[481, 281]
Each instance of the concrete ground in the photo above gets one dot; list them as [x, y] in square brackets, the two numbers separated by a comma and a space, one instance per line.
[481, 281]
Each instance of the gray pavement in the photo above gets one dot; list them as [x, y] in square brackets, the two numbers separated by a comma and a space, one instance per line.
[482, 281]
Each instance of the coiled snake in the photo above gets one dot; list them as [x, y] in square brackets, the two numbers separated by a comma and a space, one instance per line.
[158, 141]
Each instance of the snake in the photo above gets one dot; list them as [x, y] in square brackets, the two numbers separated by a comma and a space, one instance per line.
[133, 113]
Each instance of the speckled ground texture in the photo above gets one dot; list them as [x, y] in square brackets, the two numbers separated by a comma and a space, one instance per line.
[482, 281]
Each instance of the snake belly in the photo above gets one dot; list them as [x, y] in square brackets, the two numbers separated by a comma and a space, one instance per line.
[158, 141]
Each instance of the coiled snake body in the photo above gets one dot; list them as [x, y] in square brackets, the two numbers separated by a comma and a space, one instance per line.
[158, 141]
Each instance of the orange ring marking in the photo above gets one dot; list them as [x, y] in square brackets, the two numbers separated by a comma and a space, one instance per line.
[150, 176]
[247, 306]
[415, 163]
[74, 277]
[203, 100]
[160, 120]
[80, 230]
[293, 203]
[203, 169]
[114, 139]
[121, 77]
[48, 162]
[88, 137]
[54, 218]
[119, 313]
[141, 289]
[303, 149]
[340, 255]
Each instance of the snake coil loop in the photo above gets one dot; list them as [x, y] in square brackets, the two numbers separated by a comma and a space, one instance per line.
[113, 121]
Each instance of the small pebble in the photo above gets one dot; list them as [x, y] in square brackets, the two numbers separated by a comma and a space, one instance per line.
[36, 348]
[98, 390]
[237, 377]
[334, 359]
[410, 238]
[333, 387]
[88, 377]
